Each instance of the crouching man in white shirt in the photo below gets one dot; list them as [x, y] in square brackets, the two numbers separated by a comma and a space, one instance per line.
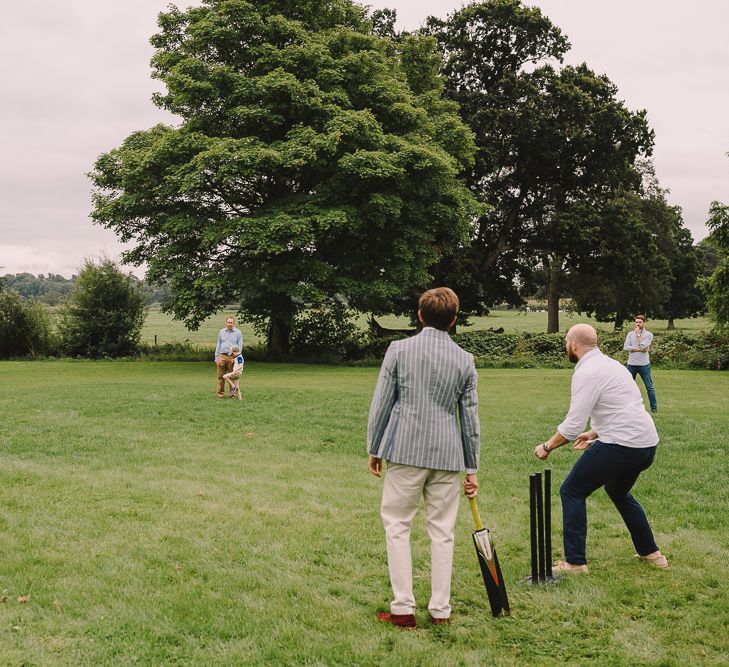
[620, 444]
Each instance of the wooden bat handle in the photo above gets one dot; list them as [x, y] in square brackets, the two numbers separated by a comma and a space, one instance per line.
[477, 523]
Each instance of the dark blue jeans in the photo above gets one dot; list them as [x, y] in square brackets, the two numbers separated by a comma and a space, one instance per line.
[645, 373]
[616, 468]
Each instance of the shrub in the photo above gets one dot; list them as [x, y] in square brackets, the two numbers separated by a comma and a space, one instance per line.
[326, 332]
[671, 349]
[612, 345]
[710, 351]
[541, 344]
[104, 314]
[487, 343]
[491, 350]
[371, 347]
[25, 327]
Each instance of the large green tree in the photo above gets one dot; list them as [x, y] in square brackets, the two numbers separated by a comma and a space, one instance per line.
[643, 258]
[492, 54]
[550, 143]
[686, 298]
[685, 261]
[710, 256]
[587, 143]
[716, 286]
[305, 165]
[625, 272]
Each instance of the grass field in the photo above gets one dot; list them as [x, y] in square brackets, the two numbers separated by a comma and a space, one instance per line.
[143, 521]
[168, 330]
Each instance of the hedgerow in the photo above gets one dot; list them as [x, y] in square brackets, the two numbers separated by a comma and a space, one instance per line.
[677, 350]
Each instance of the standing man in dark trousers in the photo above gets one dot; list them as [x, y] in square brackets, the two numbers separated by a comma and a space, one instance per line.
[620, 444]
[424, 422]
[228, 337]
[638, 343]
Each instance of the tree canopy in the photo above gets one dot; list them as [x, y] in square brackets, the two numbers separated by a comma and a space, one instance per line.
[324, 163]
[716, 286]
[551, 143]
[307, 164]
[625, 272]
[643, 259]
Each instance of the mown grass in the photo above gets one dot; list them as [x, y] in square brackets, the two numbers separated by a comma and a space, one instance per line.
[168, 330]
[147, 522]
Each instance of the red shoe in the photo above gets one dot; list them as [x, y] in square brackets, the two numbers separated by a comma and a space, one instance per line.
[404, 621]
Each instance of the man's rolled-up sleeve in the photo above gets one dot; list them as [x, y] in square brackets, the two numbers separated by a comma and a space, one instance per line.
[647, 342]
[585, 393]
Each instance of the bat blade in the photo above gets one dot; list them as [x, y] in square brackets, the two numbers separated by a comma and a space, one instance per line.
[491, 572]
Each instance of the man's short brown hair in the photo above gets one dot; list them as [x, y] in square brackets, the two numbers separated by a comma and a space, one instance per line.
[639, 316]
[438, 307]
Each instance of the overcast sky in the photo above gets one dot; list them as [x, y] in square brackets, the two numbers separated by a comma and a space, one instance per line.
[75, 81]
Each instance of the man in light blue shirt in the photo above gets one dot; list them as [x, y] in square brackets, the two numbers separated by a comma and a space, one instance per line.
[228, 337]
[638, 343]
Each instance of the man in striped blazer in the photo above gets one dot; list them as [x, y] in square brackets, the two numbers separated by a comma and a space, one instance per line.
[424, 422]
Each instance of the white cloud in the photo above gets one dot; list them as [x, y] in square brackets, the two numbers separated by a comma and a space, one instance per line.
[58, 257]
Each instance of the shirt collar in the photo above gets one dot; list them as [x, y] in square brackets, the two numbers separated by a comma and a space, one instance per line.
[433, 330]
[586, 356]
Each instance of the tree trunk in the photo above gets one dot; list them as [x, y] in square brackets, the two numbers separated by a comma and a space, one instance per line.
[618, 323]
[671, 324]
[279, 333]
[554, 273]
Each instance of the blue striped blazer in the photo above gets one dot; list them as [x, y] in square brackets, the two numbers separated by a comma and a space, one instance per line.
[424, 410]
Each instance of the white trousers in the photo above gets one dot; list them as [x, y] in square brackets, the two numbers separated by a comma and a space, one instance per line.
[403, 487]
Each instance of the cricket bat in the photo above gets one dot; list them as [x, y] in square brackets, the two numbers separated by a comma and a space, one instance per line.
[489, 563]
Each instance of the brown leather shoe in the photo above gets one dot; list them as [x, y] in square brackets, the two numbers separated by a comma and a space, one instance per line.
[440, 621]
[656, 559]
[404, 621]
[564, 566]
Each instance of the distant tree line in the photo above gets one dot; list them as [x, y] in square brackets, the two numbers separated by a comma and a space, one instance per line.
[53, 289]
[325, 164]
[101, 316]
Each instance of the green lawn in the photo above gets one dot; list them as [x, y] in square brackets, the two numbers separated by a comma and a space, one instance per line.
[168, 330]
[146, 522]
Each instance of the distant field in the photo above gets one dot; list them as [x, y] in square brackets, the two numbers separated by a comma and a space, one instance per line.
[145, 522]
[168, 330]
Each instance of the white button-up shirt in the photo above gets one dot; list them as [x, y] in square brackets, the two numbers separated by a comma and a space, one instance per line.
[604, 391]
